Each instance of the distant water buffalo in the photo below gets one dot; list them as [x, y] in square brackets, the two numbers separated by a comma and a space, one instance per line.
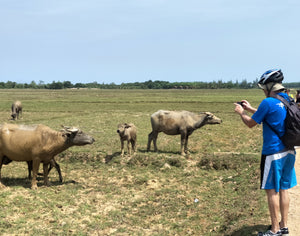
[16, 109]
[38, 144]
[178, 122]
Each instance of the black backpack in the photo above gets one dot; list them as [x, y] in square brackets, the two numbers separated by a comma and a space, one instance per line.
[291, 137]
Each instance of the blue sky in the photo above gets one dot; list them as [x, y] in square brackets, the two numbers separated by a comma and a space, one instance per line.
[121, 41]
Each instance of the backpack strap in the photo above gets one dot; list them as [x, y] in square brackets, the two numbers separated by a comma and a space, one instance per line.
[283, 100]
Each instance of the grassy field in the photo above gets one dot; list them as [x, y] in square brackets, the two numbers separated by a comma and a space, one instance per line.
[213, 191]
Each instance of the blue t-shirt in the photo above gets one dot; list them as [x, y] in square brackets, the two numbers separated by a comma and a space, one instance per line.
[273, 111]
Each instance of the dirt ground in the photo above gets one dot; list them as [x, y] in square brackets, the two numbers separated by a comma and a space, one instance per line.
[294, 213]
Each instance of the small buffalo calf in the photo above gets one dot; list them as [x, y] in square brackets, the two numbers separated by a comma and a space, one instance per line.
[127, 132]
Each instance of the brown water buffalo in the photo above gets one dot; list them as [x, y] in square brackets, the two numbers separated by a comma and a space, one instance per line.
[16, 109]
[178, 122]
[38, 144]
[127, 132]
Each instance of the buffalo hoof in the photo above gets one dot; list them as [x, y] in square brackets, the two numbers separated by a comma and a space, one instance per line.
[34, 187]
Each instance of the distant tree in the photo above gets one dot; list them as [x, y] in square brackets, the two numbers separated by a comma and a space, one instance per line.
[93, 85]
[112, 86]
[33, 85]
[229, 84]
[67, 84]
[20, 86]
[10, 84]
[79, 85]
[41, 85]
[244, 84]
[55, 85]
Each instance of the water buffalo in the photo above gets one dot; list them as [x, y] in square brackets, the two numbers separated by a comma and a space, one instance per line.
[127, 132]
[38, 144]
[178, 122]
[16, 109]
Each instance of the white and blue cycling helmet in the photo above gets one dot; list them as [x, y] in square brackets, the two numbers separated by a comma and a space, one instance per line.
[271, 80]
[271, 76]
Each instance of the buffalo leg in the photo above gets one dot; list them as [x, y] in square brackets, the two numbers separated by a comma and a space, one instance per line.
[122, 148]
[46, 179]
[149, 141]
[6, 160]
[152, 137]
[154, 141]
[183, 143]
[128, 148]
[35, 168]
[186, 144]
[53, 163]
[133, 144]
[29, 164]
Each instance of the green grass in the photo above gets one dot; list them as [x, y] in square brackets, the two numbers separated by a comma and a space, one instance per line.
[149, 193]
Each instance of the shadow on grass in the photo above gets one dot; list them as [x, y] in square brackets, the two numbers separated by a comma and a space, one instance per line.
[164, 152]
[108, 158]
[249, 230]
[26, 183]
[10, 182]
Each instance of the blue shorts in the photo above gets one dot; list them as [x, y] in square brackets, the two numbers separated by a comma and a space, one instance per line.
[277, 171]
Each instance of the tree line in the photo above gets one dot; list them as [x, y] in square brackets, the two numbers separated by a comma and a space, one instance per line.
[157, 84]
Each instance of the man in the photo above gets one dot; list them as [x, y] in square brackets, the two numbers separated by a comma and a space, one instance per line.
[298, 97]
[288, 92]
[277, 163]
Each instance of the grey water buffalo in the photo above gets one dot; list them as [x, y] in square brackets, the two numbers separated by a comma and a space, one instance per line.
[16, 110]
[38, 144]
[52, 164]
[178, 122]
[127, 132]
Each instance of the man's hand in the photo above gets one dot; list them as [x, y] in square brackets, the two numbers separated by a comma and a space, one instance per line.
[247, 106]
[239, 108]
